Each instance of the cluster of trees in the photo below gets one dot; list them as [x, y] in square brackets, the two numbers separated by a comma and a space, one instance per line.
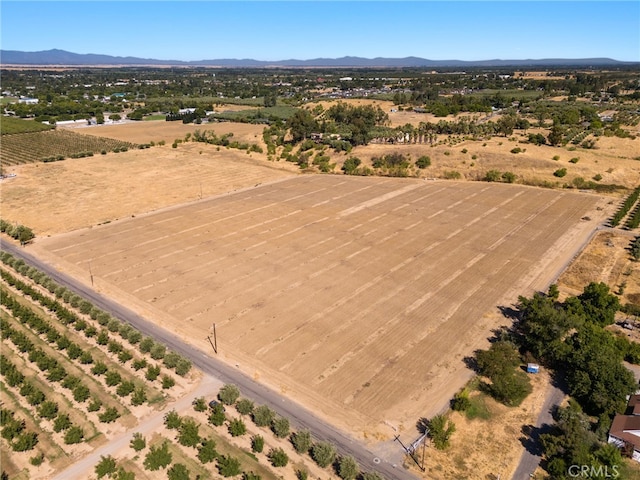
[570, 337]
[18, 232]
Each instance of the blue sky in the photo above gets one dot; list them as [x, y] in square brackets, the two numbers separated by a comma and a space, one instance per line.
[265, 30]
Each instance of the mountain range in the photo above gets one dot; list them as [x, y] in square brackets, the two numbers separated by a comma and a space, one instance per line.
[62, 57]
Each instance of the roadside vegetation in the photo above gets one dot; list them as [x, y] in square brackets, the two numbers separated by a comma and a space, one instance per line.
[570, 339]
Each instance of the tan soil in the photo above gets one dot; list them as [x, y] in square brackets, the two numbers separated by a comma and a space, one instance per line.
[348, 294]
[84, 192]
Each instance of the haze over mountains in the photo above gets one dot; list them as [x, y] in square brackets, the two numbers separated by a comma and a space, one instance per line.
[62, 57]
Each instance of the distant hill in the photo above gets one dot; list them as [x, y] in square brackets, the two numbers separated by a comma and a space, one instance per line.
[62, 57]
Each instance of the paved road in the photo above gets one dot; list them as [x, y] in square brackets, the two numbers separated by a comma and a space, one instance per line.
[299, 416]
[533, 449]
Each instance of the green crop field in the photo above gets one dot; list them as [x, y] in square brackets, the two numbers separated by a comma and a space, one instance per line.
[53, 145]
[11, 125]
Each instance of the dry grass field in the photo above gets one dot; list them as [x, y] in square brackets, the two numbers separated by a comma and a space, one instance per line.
[359, 297]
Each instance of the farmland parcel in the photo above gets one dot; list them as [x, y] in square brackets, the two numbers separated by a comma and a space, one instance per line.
[360, 297]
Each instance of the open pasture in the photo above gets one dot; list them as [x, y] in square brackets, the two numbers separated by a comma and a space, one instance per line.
[359, 297]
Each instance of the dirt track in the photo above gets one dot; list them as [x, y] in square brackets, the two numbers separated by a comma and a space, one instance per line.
[358, 296]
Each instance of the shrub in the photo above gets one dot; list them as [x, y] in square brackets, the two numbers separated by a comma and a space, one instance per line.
[74, 435]
[301, 441]
[237, 427]
[257, 443]
[561, 172]
[167, 382]
[263, 416]
[574, 160]
[138, 442]
[348, 468]
[423, 162]
[280, 427]
[110, 415]
[440, 431]
[228, 466]
[278, 457]
[228, 394]
[323, 453]
[244, 406]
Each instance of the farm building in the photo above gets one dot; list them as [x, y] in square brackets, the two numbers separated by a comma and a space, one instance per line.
[625, 429]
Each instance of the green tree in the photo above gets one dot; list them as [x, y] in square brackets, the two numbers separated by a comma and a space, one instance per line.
[599, 305]
[48, 410]
[158, 457]
[257, 443]
[280, 427]
[228, 394]
[263, 416]
[440, 431]
[62, 422]
[110, 415]
[323, 453]
[200, 404]
[237, 427]
[74, 434]
[244, 406]
[188, 435]
[217, 417]
[348, 468]
[138, 442]
[302, 125]
[25, 441]
[178, 472]
[228, 466]
[301, 441]
[106, 466]
[172, 420]
[423, 162]
[278, 457]
[207, 451]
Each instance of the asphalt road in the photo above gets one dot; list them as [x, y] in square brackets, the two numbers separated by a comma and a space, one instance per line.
[299, 416]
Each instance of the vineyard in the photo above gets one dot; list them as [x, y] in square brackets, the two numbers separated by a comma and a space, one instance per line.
[54, 145]
[12, 125]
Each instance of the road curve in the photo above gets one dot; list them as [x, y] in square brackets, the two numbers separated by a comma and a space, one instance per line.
[299, 416]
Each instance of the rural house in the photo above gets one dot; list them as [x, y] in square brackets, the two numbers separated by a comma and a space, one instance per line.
[625, 429]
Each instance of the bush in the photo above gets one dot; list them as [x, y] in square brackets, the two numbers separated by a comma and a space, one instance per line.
[138, 442]
[280, 427]
[323, 453]
[228, 394]
[301, 441]
[74, 435]
[561, 172]
[228, 466]
[237, 427]
[109, 415]
[348, 468]
[257, 443]
[278, 457]
[263, 416]
[244, 406]
[440, 431]
[423, 162]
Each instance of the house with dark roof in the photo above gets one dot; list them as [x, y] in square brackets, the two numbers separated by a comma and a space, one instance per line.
[625, 429]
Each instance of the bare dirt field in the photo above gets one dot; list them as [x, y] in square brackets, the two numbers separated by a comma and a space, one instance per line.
[64, 196]
[359, 297]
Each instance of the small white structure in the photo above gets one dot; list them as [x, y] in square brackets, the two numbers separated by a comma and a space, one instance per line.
[28, 100]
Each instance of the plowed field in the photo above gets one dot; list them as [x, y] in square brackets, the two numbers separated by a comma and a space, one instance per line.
[357, 296]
